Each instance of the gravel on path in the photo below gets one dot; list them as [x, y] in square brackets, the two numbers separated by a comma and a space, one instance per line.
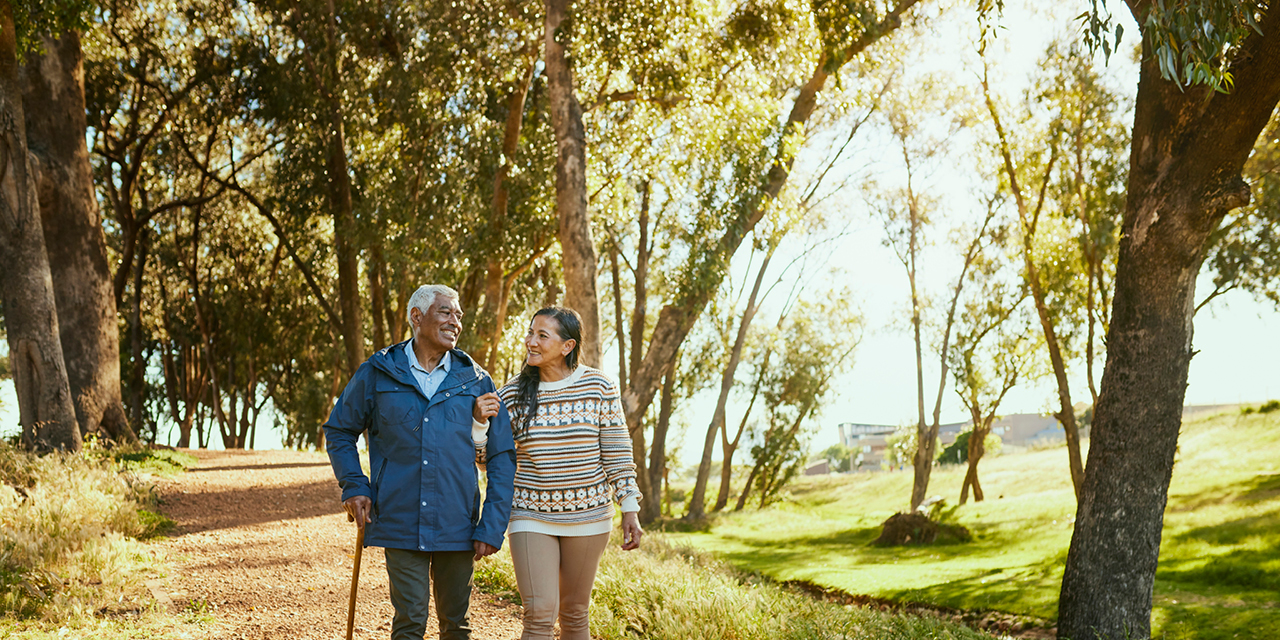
[263, 548]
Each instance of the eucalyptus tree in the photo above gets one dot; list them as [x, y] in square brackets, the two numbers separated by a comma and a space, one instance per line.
[907, 213]
[993, 353]
[54, 101]
[1061, 165]
[816, 344]
[45, 407]
[721, 77]
[700, 85]
[1204, 96]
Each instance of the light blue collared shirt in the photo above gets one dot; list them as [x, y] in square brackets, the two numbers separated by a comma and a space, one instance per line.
[428, 381]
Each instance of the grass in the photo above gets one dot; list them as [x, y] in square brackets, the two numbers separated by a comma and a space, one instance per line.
[70, 531]
[672, 592]
[1219, 574]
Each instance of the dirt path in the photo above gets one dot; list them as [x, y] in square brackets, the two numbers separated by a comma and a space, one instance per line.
[262, 540]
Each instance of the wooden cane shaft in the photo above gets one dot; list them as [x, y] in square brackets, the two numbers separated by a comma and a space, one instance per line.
[355, 583]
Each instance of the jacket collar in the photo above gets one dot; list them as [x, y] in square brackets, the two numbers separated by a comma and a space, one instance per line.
[392, 360]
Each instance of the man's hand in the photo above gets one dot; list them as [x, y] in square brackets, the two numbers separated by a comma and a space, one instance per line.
[483, 549]
[631, 531]
[486, 406]
[359, 509]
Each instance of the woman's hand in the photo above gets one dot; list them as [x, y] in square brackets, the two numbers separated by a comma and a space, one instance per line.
[631, 531]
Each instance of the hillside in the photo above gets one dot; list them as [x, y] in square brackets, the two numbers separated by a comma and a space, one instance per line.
[1219, 570]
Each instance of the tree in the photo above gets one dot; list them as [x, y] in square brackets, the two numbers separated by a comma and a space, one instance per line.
[816, 344]
[906, 214]
[1030, 206]
[845, 32]
[46, 410]
[577, 249]
[54, 106]
[1190, 144]
[838, 457]
[992, 353]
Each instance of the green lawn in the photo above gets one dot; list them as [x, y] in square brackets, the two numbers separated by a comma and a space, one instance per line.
[1219, 573]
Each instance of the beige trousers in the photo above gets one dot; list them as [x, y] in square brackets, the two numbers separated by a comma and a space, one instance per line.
[554, 575]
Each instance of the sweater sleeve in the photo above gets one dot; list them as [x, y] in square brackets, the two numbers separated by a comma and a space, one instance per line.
[615, 445]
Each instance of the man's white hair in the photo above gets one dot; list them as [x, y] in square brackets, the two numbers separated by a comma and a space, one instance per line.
[425, 296]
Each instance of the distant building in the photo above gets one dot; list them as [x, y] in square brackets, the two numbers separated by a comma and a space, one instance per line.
[819, 468]
[1016, 431]
[868, 442]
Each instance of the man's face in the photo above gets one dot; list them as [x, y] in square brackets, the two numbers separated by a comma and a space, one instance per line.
[440, 326]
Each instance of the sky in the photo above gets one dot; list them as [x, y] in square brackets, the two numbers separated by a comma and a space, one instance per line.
[1235, 336]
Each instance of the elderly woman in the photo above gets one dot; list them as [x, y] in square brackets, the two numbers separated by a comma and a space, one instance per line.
[574, 461]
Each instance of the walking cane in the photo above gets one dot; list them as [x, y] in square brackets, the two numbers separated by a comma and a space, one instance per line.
[355, 582]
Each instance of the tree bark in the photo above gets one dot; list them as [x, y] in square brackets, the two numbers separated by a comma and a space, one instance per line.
[45, 407]
[138, 365]
[975, 450]
[54, 110]
[577, 250]
[620, 329]
[1188, 152]
[639, 310]
[922, 463]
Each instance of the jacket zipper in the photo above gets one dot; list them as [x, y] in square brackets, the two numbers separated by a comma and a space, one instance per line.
[382, 469]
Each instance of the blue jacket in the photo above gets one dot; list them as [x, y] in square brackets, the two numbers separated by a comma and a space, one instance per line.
[425, 488]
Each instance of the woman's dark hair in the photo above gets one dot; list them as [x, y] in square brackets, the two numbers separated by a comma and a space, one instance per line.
[569, 327]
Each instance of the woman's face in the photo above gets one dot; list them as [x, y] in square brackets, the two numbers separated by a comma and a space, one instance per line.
[544, 345]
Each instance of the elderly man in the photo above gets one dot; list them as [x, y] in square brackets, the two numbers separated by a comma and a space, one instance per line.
[424, 404]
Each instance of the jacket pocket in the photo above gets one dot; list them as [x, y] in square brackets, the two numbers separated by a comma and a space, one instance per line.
[397, 404]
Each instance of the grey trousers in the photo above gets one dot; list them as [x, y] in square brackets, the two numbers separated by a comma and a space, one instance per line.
[412, 575]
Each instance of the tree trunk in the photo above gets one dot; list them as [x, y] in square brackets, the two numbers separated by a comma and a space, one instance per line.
[576, 247]
[620, 329]
[697, 502]
[340, 207]
[641, 303]
[45, 408]
[378, 295]
[651, 508]
[922, 463]
[1189, 149]
[976, 448]
[138, 365]
[746, 488]
[726, 470]
[54, 109]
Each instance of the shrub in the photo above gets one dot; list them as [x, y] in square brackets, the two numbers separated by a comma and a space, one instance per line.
[1266, 407]
[68, 530]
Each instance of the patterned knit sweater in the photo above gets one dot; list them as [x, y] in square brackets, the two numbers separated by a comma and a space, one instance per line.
[575, 458]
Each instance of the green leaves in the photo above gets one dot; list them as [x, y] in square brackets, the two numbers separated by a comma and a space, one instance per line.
[1096, 29]
[1193, 41]
[34, 18]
